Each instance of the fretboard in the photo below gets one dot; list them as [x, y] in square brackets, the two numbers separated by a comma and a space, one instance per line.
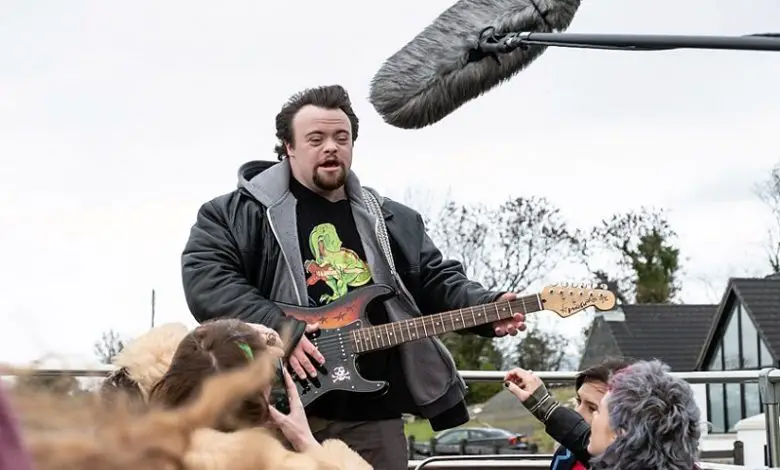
[388, 335]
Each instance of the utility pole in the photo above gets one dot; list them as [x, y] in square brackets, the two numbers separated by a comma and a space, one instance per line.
[153, 302]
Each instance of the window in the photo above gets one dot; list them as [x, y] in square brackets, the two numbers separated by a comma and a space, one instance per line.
[452, 437]
[715, 403]
[749, 341]
[730, 342]
[733, 405]
[716, 363]
[766, 356]
[752, 400]
[740, 347]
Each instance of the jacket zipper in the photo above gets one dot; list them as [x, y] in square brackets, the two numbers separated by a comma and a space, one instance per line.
[284, 255]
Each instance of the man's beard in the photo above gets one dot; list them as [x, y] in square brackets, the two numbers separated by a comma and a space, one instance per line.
[330, 181]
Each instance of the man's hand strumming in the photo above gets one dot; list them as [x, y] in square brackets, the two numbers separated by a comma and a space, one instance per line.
[299, 359]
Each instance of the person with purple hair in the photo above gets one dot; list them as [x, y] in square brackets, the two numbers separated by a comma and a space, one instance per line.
[648, 419]
[13, 454]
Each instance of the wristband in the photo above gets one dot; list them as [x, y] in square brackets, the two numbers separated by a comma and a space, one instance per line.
[541, 404]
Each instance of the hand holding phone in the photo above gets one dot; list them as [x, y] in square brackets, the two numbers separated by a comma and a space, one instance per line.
[293, 423]
[279, 396]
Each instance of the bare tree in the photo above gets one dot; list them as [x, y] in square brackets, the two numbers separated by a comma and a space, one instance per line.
[769, 192]
[506, 248]
[541, 350]
[109, 345]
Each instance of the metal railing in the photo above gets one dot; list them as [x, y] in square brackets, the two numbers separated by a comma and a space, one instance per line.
[768, 381]
[510, 462]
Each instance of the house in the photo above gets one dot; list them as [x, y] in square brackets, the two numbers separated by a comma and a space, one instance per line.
[672, 333]
[745, 334]
[741, 332]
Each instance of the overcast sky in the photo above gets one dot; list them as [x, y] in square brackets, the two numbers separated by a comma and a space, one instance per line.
[118, 119]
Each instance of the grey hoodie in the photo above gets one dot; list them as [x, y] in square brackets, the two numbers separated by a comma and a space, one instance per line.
[430, 371]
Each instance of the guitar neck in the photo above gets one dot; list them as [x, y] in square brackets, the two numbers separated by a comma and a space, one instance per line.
[385, 336]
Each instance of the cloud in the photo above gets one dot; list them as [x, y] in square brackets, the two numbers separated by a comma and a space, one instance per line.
[119, 120]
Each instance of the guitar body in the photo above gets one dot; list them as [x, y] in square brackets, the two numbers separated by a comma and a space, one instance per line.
[335, 342]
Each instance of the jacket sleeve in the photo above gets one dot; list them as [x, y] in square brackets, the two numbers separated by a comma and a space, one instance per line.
[570, 430]
[445, 285]
[214, 283]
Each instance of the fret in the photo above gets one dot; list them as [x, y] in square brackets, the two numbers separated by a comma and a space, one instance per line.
[386, 335]
[477, 322]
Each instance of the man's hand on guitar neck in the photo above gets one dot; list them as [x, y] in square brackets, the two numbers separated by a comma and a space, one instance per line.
[510, 326]
[299, 359]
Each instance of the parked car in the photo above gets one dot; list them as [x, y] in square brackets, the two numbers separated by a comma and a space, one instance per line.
[475, 441]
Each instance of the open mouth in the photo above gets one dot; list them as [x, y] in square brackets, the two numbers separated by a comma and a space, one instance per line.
[331, 164]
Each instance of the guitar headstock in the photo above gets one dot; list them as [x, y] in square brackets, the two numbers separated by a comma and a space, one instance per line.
[567, 300]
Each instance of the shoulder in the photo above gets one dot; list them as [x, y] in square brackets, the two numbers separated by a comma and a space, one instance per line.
[396, 209]
[232, 207]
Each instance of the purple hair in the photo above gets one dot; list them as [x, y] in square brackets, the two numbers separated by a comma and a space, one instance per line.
[656, 419]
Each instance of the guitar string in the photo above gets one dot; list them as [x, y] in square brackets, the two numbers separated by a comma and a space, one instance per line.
[335, 342]
[424, 323]
[427, 322]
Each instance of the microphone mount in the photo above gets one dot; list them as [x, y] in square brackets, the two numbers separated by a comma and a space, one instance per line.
[491, 44]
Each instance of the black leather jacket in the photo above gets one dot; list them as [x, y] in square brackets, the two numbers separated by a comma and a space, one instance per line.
[232, 256]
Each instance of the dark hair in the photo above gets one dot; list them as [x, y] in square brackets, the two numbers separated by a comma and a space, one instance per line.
[602, 372]
[326, 97]
[214, 347]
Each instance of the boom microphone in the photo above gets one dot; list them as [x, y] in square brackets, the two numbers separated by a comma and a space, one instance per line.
[444, 66]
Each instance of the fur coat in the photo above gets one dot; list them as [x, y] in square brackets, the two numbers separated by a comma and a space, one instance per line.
[146, 359]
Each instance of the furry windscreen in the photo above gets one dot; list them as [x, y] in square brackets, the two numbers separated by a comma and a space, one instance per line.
[431, 76]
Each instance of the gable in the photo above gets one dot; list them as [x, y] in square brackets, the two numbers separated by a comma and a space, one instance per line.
[747, 322]
[600, 344]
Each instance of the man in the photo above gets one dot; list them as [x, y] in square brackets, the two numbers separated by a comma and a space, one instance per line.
[300, 231]
[570, 428]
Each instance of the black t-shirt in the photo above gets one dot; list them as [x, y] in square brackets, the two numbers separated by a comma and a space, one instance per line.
[334, 265]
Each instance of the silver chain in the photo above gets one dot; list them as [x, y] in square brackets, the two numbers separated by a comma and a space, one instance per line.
[381, 230]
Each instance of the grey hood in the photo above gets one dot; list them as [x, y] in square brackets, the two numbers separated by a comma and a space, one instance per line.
[269, 182]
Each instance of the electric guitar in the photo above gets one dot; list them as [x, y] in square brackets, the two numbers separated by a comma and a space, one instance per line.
[342, 336]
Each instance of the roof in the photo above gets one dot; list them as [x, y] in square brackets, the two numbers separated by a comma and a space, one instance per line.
[761, 299]
[673, 333]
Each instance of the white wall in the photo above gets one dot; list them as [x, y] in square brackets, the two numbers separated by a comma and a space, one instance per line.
[752, 432]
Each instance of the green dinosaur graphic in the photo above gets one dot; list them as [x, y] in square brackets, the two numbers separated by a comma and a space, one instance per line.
[340, 268]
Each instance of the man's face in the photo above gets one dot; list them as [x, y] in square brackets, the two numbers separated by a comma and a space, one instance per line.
[321, 151]
[589, 396]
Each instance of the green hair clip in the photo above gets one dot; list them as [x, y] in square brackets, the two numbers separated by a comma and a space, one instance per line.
[247, 350]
